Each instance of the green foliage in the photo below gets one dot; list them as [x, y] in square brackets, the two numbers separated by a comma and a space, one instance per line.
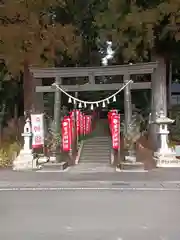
[9, 93]
[175, 128]
[138, 27]
[53, 140]
[8, 152]
[81, 14]
[31, 34]
[135, 130]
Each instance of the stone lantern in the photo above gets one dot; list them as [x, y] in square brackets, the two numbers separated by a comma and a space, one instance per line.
[164, 156]
[25, 160]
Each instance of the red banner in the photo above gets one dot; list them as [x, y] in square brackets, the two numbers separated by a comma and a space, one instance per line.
[110, 114]
[37, 123]
[66, 134]
[81, 123]
[88, 124]
[78, 121]
[72, 115]
[84, 124]
[115, 130]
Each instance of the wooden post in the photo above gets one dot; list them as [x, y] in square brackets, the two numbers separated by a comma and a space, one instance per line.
[119, 149]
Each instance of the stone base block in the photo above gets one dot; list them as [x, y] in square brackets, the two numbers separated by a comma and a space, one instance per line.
[52, 159]
[23, 165]
[128, 166]
[25, 161]
[131, 159]
[168, 155]
[55, 166]
[42, 160]
[167, 162]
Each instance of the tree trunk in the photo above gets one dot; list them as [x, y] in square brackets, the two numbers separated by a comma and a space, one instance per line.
[28, 88]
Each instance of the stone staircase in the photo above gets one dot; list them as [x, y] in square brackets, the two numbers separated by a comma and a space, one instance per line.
[96, 152]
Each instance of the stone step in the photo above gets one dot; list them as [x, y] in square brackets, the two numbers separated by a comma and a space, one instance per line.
[85, 155]
[84, 158]
[94, 159]
[96, 146]
[95, 155]
[99, 138]
[96, 151]
[103, 138]
[97, 141]
[91, 167]
[86, 165]
[103, 147]
[88, 162]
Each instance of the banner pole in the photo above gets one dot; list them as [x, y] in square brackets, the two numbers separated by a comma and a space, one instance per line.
[119, 149]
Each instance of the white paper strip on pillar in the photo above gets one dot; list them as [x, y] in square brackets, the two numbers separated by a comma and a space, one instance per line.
[103, 105]
[80, 105]
[92, 107]
[114, 98]
[69, 100]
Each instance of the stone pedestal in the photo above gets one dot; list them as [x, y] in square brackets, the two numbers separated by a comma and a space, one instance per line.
[55, 167]
[25, 161]
[164, 157]
[166, 160]
[129, 166]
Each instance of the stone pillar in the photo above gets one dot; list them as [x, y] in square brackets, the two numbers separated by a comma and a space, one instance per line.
[158, 97]
[57, 113]
[57, 106]
[127, 103]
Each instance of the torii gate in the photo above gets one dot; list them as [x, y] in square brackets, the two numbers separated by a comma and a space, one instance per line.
[156, 69]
